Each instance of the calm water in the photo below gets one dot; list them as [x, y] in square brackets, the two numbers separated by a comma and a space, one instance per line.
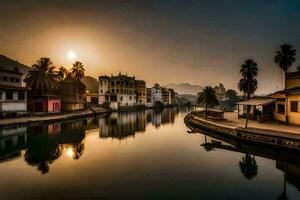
[145, 155]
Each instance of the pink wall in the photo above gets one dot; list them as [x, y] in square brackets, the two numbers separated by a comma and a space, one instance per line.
[54, 105]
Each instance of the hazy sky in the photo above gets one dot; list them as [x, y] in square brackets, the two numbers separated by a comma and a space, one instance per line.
[200, 42]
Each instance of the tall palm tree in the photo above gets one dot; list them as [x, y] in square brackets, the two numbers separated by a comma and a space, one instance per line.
[208, 98]
[77, 70]
[42, 76]
[284, 58]
[248, 83]
[62, 72]
[248, 166]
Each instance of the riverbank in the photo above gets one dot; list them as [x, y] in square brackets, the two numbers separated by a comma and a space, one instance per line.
[53, 117]
[279, 135]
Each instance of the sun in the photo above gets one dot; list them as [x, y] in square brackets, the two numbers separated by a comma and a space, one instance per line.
[71, 55]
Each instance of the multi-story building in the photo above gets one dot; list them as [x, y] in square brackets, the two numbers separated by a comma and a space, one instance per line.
[13, 96]
[166, 96]
[117, 91]
[140, 91]
[72, 94]
[156, 94]
[173, 96]
[220, 92]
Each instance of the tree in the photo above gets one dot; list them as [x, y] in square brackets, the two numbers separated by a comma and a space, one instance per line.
[208, 98]
[285, 58]
[248, 83]
[298, 68]
[77, 70]
[42, 76]
[248, 166]
[62, 72]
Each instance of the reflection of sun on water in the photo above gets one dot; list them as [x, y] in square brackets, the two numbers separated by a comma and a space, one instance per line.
[70, 152]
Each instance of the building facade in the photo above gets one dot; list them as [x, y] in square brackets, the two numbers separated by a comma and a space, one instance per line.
[166, 96]
[140, 92]
[43, 104]
[72, 94]
[220, 92]
[117, 91]
[156, 94]
[13, 96]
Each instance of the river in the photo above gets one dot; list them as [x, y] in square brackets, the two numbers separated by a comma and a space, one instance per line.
[145, 154]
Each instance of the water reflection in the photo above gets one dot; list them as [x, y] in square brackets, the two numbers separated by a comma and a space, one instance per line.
[286, 160]
[127, 124]
[44, 143]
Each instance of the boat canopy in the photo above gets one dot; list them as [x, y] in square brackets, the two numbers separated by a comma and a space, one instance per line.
[257, 102]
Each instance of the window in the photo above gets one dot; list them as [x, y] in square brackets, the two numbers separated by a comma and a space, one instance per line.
[9, 95]
[0, 95]
[130, 97]
[11, 79]
[21, 96]
[101, 91]
[121, 98]
[294, 106]
[5, 78]
[113, 90]
[17, 80]
[281, 108]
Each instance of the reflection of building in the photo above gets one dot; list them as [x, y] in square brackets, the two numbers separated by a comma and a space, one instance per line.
[72, 94]
[117, 91]
[122, 125]
[140, 91]
[12, 94]
[46, 142]
[292, 172]
[12, 141]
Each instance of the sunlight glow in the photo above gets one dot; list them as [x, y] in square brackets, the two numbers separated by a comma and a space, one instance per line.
[71, 55]
[70, 152]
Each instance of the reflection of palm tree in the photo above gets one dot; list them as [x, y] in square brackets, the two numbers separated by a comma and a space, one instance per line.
[248, 166]
[41, 152]
[283, 195]
[78, 150]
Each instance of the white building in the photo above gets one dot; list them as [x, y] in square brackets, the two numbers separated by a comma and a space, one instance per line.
[117, 91]
[13, 96]
[156, 94]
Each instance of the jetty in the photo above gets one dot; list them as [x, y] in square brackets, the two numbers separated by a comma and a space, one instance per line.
[278, 135]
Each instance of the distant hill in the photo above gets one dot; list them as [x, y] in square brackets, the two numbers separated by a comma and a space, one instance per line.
[90, 83]
[9, 63]
[185, 88]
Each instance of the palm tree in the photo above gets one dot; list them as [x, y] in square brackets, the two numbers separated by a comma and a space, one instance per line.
[42, 76]
[62, 72]
[298, 68]
[77, 70]
[285, 57]
[208, 97]
[248, 84]
[248, 166]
